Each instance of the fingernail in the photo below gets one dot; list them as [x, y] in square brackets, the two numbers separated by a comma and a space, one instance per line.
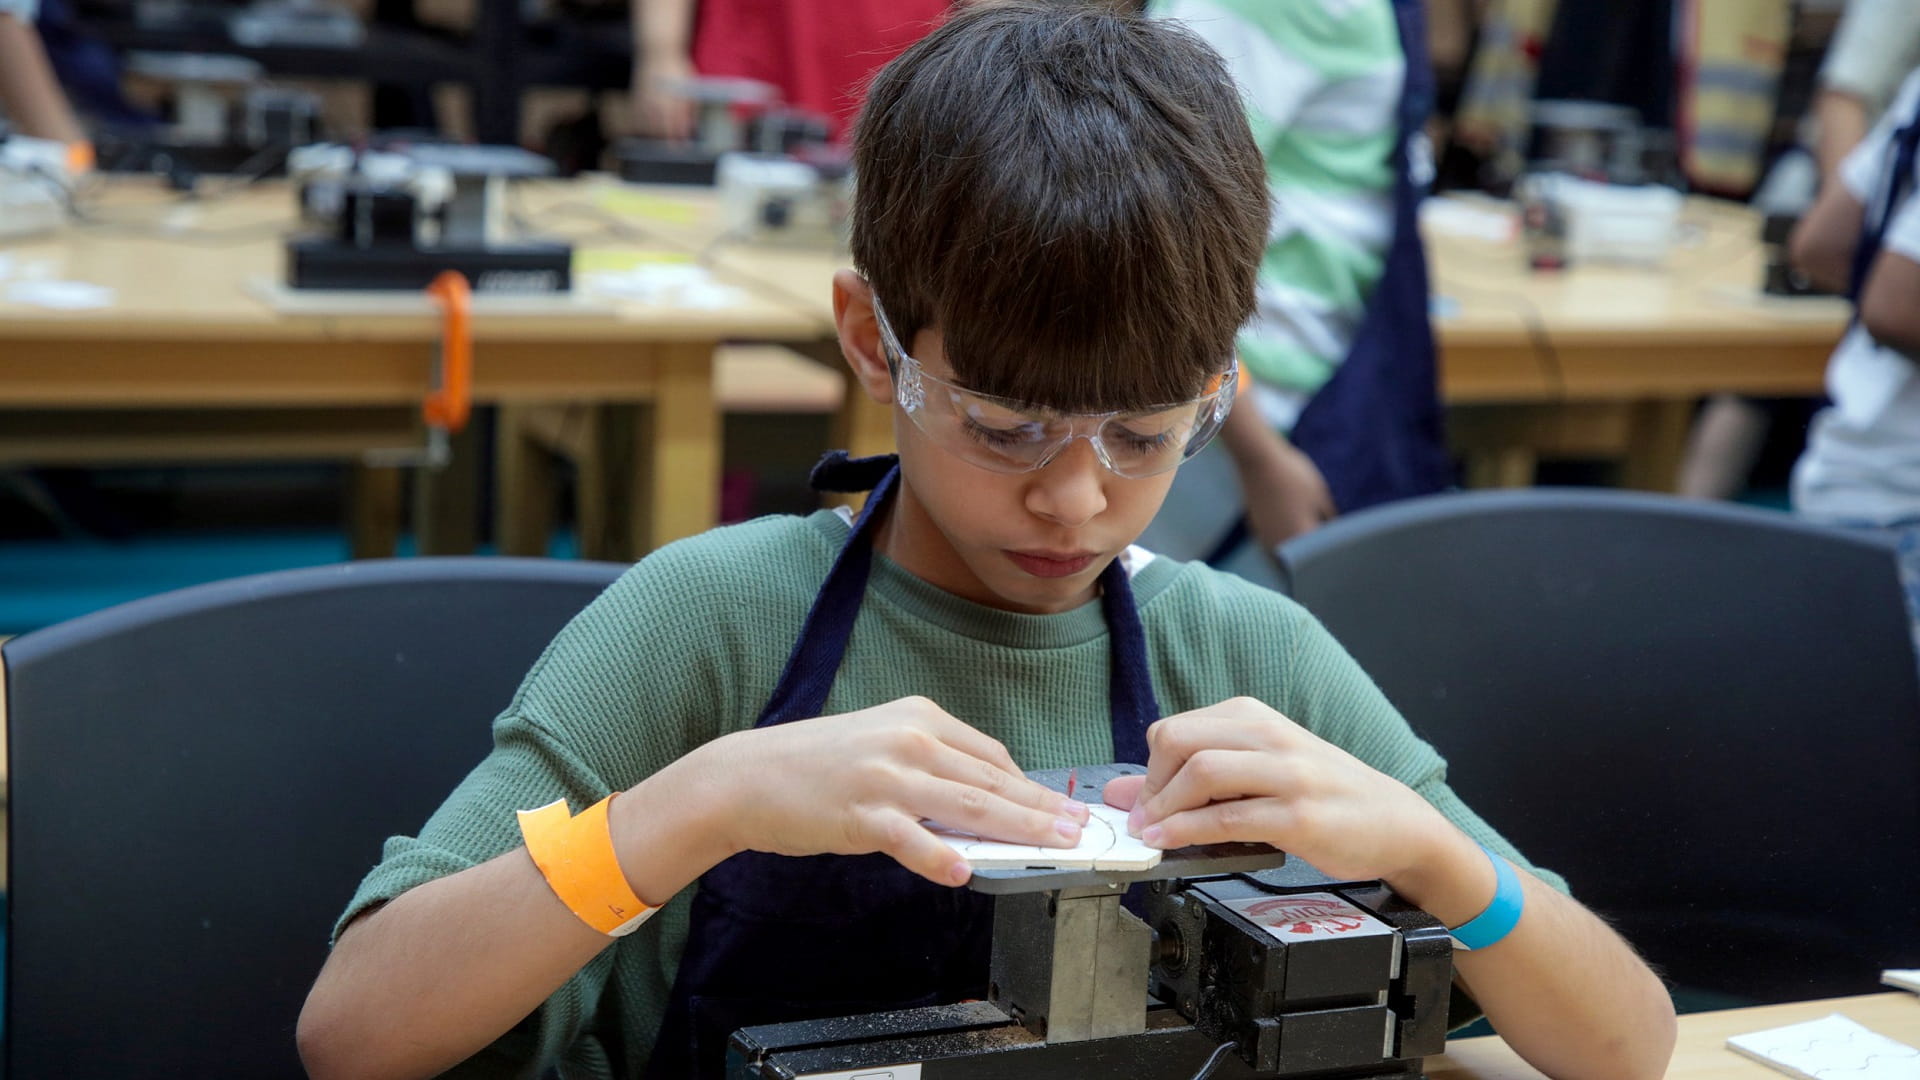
[1068, 829]
[1075, 809]
[1153, 836]
[1134, 817]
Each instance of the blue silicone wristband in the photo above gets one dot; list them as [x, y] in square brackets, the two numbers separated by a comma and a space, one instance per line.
[1502, 913]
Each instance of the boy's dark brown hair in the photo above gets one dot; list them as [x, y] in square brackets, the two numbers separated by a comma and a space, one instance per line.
[1070, 194]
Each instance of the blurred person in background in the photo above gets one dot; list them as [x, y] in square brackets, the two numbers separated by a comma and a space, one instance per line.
[1343, 408]
[1861, 467]
[817, 53]
[1876, 45]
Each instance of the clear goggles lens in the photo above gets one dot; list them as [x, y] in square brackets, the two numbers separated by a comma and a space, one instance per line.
[1010, 436]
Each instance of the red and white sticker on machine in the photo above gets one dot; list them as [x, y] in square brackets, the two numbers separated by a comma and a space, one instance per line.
[1305, 916]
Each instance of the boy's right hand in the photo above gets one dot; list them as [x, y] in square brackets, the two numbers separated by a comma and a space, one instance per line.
[863, 782]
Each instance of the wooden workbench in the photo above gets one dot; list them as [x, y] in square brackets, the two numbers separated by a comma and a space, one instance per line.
[1597, 360]
[1701, 1052]
[189, 327]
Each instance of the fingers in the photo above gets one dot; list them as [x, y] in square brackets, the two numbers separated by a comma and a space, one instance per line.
[896, 834]
[864, 783]
[947, 763]
[1223, 822]
[1123, 792]
[1213, 775]
[665, 117]
[989, 816]
[676, 119]
[1238, 724]
[960, 735]
[970, 756]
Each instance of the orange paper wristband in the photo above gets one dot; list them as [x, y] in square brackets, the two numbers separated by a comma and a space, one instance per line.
[575, 855]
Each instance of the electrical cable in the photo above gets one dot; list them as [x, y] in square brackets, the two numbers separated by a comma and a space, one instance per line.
[1219, 1054]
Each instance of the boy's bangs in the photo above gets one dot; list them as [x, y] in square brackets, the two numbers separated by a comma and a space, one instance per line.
[1127, 346]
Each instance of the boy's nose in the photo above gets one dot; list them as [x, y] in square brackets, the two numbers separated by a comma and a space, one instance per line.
[1070, 490]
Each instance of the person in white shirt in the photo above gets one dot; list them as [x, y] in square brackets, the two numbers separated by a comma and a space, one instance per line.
[1876, 44]
[1861, 466]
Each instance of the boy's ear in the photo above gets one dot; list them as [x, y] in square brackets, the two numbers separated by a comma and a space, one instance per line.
[860, 335]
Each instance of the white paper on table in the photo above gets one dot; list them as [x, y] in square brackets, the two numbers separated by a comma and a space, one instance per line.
[1830, 1048]
[1478, 219]
[60, 295]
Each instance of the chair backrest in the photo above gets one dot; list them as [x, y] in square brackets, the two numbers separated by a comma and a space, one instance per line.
[200, 780]
[1706, 716]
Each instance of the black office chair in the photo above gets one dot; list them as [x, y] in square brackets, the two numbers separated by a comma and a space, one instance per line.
[1705, 716]
[200, 780]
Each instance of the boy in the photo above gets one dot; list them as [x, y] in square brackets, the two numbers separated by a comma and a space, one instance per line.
[1059, 219]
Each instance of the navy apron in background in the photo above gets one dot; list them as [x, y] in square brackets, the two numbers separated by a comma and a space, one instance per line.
[776, 938]
[1375, 428]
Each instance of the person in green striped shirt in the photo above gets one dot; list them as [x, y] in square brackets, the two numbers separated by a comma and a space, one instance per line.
[1321, 83]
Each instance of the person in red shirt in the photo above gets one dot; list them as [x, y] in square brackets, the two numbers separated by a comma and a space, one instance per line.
[819, 53]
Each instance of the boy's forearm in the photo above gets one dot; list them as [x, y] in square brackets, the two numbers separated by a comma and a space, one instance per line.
[1561, 988]
[443, 970]
[1570, 996]
[437, 974]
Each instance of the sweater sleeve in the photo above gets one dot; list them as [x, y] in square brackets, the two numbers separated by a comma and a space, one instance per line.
[1876, 43]
[622, 691]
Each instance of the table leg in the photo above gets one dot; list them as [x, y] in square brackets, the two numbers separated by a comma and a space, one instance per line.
[446, 501]
[1511, 467]
[677, 451]
[609, 484]
[524, 488]
[1659, 444]
[376, 496]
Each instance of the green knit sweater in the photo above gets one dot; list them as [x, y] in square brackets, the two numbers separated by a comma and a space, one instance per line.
[688, 645]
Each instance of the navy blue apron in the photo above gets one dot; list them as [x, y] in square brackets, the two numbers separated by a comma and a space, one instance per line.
[1881, 204]
[776, 938]
[1375, 428]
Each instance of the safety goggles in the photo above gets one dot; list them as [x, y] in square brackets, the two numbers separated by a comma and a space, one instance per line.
[1010, 436]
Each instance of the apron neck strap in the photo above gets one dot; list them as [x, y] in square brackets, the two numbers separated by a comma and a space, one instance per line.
[1131, 701]
[802, 691]
[808, 678]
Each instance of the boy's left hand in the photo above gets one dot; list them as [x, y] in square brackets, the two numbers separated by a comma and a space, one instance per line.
[1240, 771]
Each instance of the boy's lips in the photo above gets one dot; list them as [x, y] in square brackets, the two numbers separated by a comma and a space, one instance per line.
[1052, 564]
